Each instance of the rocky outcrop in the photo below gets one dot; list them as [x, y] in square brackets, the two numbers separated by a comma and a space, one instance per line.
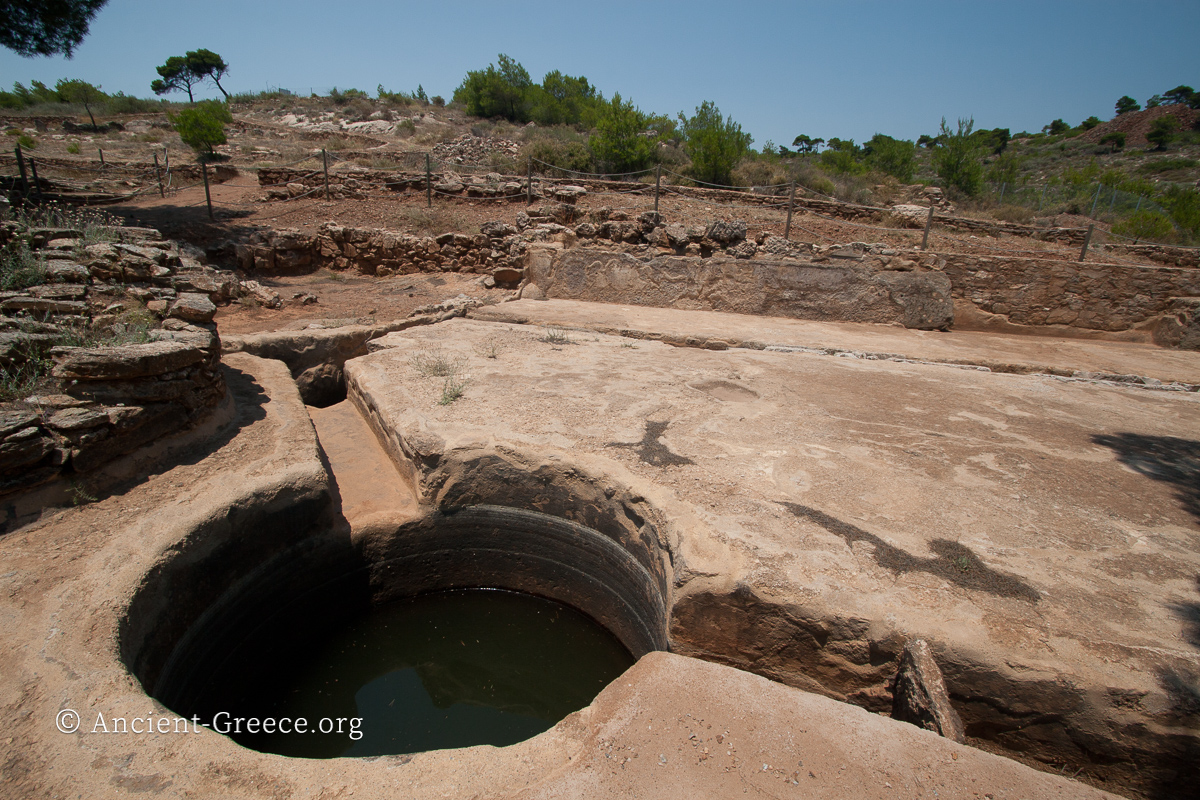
[109, 402]
[832, 290]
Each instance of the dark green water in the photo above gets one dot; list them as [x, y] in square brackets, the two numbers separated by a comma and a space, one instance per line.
[450, 669]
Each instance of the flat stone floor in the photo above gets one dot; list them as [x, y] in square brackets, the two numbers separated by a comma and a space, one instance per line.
[1036, 353]
[1040, 530]
[671, 727]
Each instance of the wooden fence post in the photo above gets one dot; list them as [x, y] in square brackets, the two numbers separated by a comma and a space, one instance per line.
[207, 195]
[657, 184]
[325, 167]
[787, 229]
[37, 186]
[21, 166]
[158, 175]
[101, 151]
[1087, 239]
[428, 182]
[928, 225]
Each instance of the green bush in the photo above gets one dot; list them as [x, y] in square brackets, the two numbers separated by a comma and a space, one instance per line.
[1116, 139]
[27, 142]
[1142, 225]
[715, 144]
[622, 141]
[492, 92]
[568, 154]
[202, 126]
[956, 158]
[1183, 204]
[895, 157]
[73, 148]
[1163, 131]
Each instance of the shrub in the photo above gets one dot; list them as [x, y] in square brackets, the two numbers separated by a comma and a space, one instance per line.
[1163, 131]
[1116, 139]
[1056, 127]
[895, 157]
[202, 126]
[568, 154]
[27, 142]
[1089, 123]
[341, 98]
[73, 148]
[622, 140]
[956, 158]
[1145, 225]
[1183, 204]
[715, 144]
[493, 92]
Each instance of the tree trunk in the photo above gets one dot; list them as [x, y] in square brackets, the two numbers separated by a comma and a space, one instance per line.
[222, 88]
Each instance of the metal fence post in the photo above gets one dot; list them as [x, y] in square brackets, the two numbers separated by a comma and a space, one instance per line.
[1087, 239]
[928, 225]
[787, 228]
[101, 151]
[1003, 186]
[1096, 200]
[207, 195]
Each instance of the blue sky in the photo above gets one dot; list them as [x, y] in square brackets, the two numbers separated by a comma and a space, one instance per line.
[845, 69]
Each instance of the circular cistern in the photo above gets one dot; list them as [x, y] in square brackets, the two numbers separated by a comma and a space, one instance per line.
[485, 625]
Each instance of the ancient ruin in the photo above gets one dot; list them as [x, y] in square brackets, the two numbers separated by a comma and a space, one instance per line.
[808, 487]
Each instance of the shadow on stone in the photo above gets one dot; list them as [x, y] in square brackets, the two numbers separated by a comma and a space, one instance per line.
[651, 450]
[1162, 458]
[954, 562]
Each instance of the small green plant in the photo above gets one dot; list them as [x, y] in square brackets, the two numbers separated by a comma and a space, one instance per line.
[490, 349]
[80, 494]
[963, 563]
[452, 389]
[407, 125]
[19, 267]
[20, 378]
[27, 142]
[73, 148]
[556, 336]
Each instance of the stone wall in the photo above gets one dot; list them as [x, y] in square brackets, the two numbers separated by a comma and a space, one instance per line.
[497, 252]
[1102, 297]
[844, 291]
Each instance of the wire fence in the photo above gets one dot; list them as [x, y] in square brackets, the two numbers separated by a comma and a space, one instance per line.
[34, 179]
